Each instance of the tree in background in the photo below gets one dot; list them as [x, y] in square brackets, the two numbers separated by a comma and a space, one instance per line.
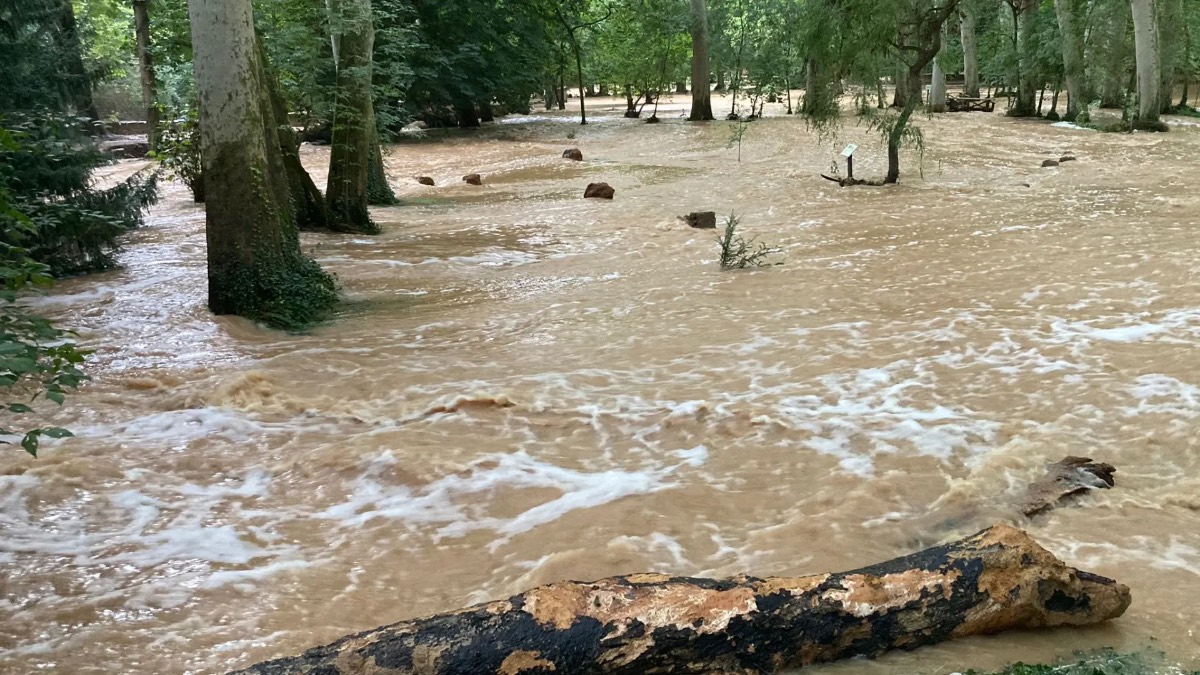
[701, 93]
[353, 117]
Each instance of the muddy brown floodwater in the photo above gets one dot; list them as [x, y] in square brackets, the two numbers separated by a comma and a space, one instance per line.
[524, 386]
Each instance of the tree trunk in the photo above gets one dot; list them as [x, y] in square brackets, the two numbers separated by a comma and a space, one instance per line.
[720, 81]
[1073, 60]
[255, 268]
[701, 95]
[305, 206]
[379, 192]
[630, 104]
[579, 73]
[466, 115]
[1145, 36]
[603, 90]
[997, 580]
[486, 113]
[141, 24]
[901, 95]
[77, 85]
[970, 46]
[1026, 47]
[1114, 49]
[937, 96]
[353, 119]
[1173, 45]
[912, 96]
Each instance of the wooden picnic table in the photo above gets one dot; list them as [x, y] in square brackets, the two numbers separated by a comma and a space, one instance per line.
[970, 104]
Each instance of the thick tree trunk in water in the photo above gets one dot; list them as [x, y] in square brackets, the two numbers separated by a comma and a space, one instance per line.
[486, 113]
[466, 115]
[997, 580]
[1145, 36]
[970, 46]
[1173, 49]
[681, 87]
[141, 26]
[901, 95]
[937, 96]
[1026, 46]
[255, 268]
[701, 95]
[77, 86]
[1073, 61]
[603, 90]
[720, 81]
[353, 119]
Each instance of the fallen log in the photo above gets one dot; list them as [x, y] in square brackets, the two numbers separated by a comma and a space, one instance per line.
[995, 580]
[1066, 478]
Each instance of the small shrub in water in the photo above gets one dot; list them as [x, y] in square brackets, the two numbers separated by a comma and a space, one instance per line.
[737, 252]
[1101, 662]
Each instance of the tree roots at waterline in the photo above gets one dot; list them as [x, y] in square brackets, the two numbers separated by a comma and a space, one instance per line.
[996, 580]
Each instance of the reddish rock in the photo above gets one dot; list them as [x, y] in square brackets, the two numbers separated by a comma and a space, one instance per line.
[472, 179]
[574, 154]
[425, 180]
[599, 191]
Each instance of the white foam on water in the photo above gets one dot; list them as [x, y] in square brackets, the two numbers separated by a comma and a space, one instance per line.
[1165, 395]
[454, 504]
[1072, 126]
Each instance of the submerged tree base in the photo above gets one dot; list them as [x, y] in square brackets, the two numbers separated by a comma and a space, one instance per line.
[289, 295]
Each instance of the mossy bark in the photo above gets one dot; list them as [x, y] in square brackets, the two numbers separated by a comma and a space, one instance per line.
[379, 192]
[141, 23]
[255, 267]
[1145, 39]
[353, 118]
[997, 580]
[1172, 39]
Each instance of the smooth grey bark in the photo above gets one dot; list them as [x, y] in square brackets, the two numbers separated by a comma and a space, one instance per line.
[1112, 54]
[353, 118]
[1145, 40]
[701, 94]
[1071, 30]
[255, 268]
[970, 46]
[937, 95]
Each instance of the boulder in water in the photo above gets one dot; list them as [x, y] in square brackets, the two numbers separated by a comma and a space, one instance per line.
[573, 153]
[702, 220]
[1049, 163]
[473, 179]
[599, 191]
[1066, 158]
[425, 180]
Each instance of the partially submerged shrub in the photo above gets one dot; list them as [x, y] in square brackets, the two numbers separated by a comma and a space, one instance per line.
[1101, 662]
[178, 150]
[737, 252]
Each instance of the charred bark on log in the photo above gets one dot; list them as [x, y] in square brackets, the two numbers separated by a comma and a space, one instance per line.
[993, 581]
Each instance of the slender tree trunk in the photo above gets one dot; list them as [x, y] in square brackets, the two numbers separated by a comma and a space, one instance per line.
[77, 85]
[1145, 35]
[353, 119]
[937, 96]
[1173, 50]
[562, 87]
[630, 104]
[701, 95]
[1073, 60]
[141, 24]
[255, 268]
[720, 81]
[579, 73]
[901, 95]
[912, 97]
[970, 46]
[1026, 46]
[549, 98]
[1054, 100]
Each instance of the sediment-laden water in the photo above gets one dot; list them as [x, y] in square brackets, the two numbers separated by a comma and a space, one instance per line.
[524, 386]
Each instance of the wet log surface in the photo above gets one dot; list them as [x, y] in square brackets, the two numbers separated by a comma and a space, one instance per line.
[996, 580]
[1066, 478]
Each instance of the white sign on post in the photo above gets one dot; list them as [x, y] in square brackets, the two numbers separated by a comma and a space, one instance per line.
[849, 151]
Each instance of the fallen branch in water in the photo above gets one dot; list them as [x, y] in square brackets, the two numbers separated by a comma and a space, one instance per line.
[996, 580]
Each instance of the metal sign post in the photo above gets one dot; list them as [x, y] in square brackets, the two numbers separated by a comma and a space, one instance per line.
[848, 153]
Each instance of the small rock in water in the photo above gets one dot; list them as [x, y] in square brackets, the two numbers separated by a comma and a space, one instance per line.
[425, 180]
[1066, 158]
[704, 220]
[574, 154]
[599, 191]
[1067, 477]
[1050, 162]
[472, 179]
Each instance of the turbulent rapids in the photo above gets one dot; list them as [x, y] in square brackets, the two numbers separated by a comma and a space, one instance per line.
[524, 387]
